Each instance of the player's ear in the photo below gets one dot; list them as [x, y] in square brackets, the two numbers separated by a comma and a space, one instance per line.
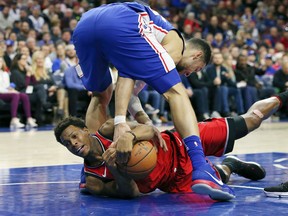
[197, 54]
[86, 130]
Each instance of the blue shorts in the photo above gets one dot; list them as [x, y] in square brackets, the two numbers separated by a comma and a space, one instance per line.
[127, 35]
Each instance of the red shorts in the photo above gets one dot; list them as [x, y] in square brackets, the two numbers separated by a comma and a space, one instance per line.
[173, 172]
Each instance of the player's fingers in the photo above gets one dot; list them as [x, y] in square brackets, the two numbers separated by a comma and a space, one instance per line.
[99, 158]
[162, 142]
[111, 158]
[164, 145]
[113, 145]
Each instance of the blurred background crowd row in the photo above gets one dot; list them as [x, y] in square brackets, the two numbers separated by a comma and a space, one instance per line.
[249, 39]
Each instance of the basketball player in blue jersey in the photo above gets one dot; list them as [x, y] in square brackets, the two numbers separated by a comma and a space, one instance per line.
[142, 45]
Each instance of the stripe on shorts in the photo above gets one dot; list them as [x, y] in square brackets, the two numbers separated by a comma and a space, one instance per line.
[146, 29]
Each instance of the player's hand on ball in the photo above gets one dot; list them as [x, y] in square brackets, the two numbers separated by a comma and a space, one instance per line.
[109, 156]
[158, 140]
[119, 130]
[124, 146]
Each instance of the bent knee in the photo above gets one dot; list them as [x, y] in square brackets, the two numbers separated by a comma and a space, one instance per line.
[252, 120]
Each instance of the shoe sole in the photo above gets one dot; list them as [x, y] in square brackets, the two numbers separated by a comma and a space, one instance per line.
[276, 194]
[253, 170]
[214, 194]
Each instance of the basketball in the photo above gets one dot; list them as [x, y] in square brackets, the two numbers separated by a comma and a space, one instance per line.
[142, 161]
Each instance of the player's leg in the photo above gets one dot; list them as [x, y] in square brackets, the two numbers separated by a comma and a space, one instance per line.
[247, 169]
[93, 66]
[278, 191]
[208, 180]
[263, 109]
[96, 113]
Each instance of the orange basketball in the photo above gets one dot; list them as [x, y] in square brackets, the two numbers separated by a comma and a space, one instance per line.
[142, 161]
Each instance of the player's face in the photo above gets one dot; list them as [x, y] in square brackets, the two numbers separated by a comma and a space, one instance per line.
[191, 66]
[192, 61]
[76, 140]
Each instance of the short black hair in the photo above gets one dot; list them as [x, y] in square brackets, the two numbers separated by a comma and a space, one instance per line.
[200, 44]
[62, 125]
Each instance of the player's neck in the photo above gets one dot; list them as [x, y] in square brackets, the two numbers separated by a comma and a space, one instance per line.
[94, 157]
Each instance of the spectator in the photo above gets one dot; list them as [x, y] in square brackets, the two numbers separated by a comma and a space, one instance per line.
[5, 19]
[56, 34]
[198, 98]
[47, 60]
[76, 91]
[213, 27]
[24, 31]
[227, 85]
[9, 94]
[24, 17]
[25, 51]
[280, 81]
[58, 76]
[44, 81]
[192, 22]
[245, 77]
[66, 36]
[70, 59]
[21, 76]
[201, 81]
[68, 15]
[14, 11]
[37, 20]
[151, 101]
[9, 53]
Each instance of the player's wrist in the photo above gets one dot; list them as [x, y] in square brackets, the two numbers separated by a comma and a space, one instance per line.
[132, 135]
[119, 119]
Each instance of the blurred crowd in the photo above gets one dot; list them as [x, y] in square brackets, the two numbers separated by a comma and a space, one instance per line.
[250, 57]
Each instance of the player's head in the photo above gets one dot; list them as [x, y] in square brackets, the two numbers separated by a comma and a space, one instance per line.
[195, 57]
[74, 135]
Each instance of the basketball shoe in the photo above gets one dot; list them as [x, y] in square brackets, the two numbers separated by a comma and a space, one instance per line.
[207, 181]
[249, 170]
[277, 191]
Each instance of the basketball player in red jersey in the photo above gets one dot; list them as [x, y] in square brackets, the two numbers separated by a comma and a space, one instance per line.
[218, 136]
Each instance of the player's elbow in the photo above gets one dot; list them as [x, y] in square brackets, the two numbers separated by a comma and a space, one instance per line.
[252, 121]
[130, 194]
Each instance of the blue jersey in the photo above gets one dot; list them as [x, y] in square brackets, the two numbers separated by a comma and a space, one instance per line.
[129, 36]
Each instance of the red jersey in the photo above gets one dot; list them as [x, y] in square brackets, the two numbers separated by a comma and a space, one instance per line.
[173, 171]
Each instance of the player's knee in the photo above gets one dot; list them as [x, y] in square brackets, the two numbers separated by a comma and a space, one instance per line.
[253, 121]
[108, 127]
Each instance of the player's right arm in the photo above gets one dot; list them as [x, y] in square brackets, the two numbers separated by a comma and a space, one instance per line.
[121, 187]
